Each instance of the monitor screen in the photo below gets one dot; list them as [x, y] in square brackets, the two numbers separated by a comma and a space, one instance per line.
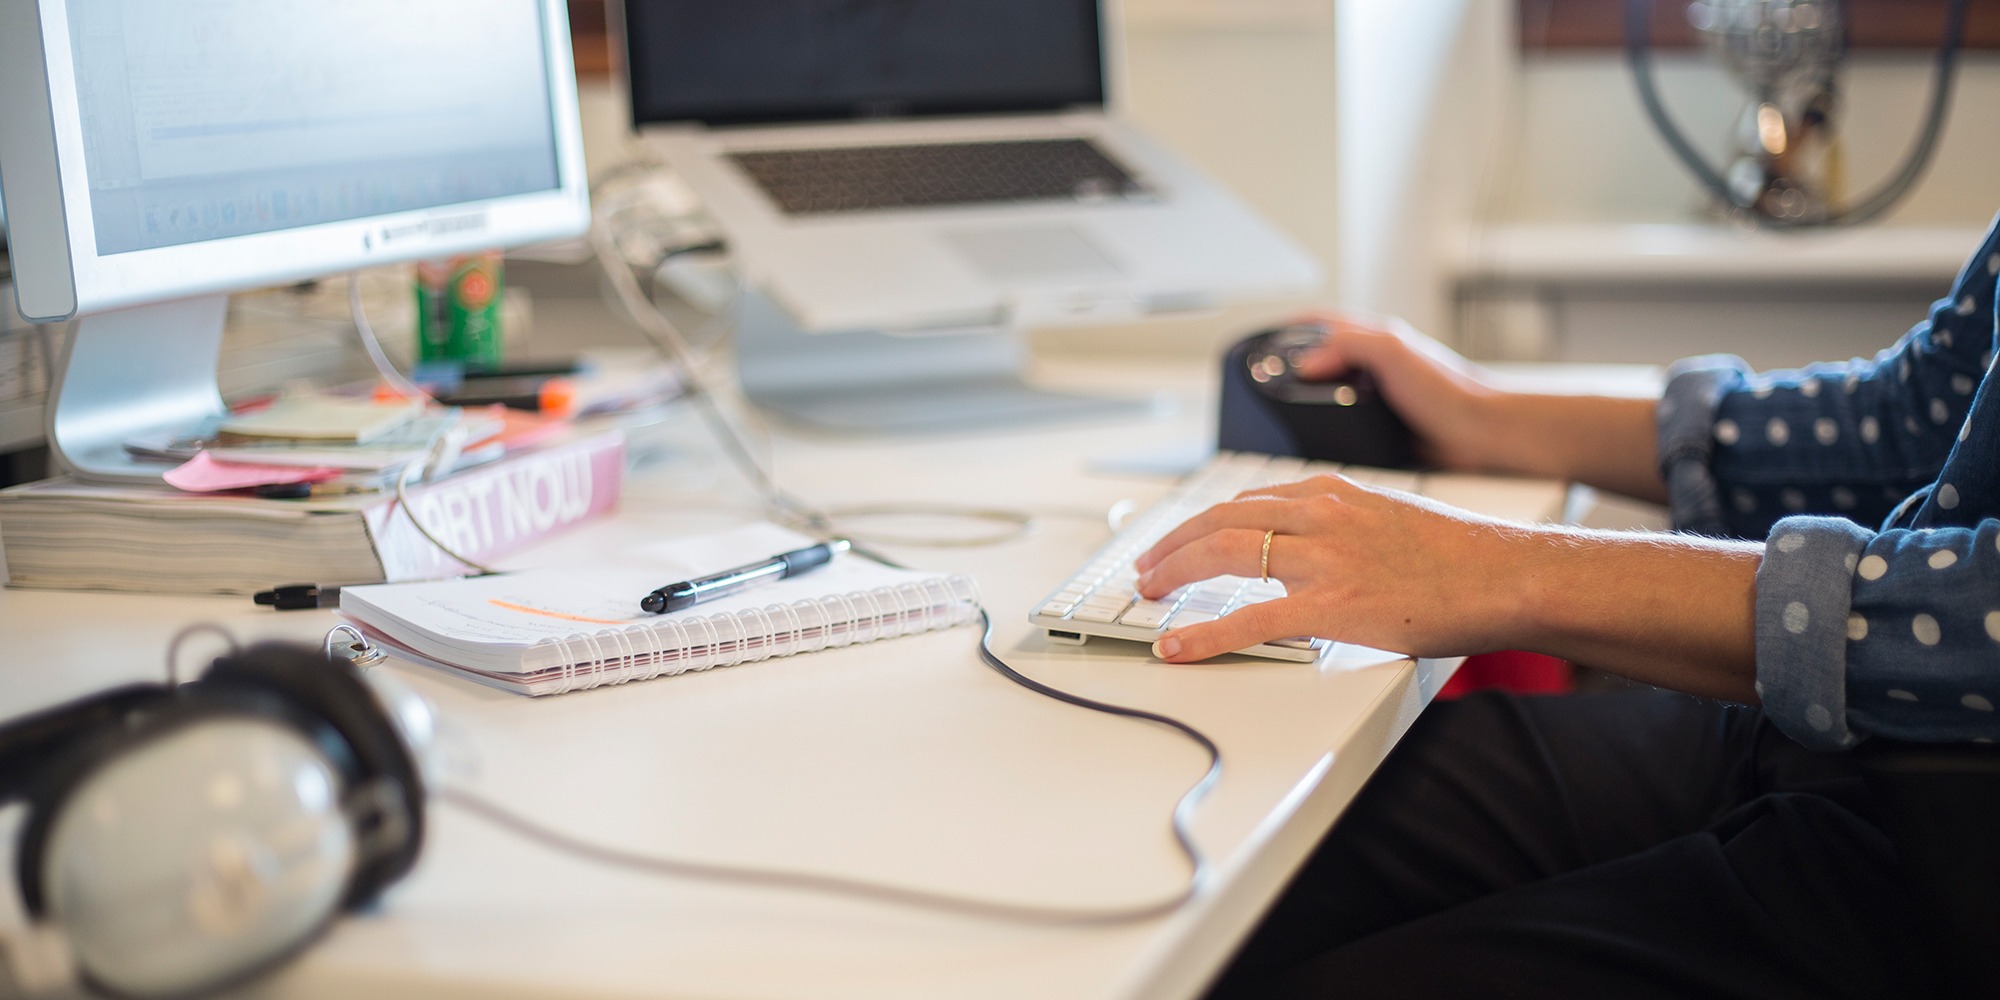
[749, 61]
[249, 116]
[157, 156]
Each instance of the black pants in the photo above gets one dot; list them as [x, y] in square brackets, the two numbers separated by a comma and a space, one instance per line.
[1631, 845]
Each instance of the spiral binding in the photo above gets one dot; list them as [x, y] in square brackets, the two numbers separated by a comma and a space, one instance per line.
[682, 644]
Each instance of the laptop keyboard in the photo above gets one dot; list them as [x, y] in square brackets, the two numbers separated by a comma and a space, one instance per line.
[865, 178]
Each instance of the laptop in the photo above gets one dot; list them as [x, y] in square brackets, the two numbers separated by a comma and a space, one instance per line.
[919, 165]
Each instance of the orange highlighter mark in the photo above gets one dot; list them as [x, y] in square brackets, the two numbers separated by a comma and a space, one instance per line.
[524, 609]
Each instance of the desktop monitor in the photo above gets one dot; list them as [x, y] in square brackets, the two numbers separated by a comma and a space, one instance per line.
[156, 156]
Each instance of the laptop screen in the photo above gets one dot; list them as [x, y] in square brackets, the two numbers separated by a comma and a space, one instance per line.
[771, 61]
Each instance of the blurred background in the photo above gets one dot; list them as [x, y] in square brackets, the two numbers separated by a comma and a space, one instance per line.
[1485, 168]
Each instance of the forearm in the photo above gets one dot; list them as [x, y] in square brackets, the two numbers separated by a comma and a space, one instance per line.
[1670, 610]
[1606, 442]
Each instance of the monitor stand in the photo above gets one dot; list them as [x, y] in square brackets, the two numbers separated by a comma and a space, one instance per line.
[867, 381]
[133, 375]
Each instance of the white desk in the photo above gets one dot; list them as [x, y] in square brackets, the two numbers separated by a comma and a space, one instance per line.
[905, 761]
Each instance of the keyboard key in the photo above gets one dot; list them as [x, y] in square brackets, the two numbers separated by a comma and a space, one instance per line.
[1056, 609]
[1147, 614]
[1187, 617]
[1100, 615]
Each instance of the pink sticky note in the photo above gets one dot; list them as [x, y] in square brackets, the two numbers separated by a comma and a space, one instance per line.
[202, 474]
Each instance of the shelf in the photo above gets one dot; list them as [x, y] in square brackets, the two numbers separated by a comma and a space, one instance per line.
[1558, 253]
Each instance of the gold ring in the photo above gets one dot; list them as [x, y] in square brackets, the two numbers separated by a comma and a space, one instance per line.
[1264, 561]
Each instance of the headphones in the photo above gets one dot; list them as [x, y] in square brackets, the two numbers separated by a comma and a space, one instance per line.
[173, 839]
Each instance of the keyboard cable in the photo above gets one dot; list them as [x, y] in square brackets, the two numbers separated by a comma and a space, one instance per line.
[899, 895]
[662, 332]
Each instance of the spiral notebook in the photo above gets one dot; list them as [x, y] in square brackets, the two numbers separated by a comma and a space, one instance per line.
[548, 631]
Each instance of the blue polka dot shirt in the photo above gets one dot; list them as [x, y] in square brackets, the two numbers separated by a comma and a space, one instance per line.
[1876, 486]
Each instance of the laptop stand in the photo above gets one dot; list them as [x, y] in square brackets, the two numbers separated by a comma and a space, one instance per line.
[869, 381]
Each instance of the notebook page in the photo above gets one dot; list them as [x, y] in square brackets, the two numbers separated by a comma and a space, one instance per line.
[488, 623]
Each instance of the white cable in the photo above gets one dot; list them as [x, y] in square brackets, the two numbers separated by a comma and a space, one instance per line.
[403, 502]
[671, 343]
[374, 346]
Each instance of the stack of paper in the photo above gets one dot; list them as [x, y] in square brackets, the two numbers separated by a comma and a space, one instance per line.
[320, 419]
[64, 534]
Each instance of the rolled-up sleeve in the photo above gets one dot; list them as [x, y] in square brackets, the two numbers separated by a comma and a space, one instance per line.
[1741, 450]
[1894, 633]
[1686, 415]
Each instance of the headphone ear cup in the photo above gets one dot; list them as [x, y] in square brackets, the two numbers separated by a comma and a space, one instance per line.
[196, 844]
[332, 690]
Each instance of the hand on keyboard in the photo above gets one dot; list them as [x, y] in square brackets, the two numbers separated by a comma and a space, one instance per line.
[1375, 567]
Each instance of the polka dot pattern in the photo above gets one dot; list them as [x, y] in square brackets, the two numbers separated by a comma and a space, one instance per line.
[1925, 628]
[1880, 607]
[1797, 618]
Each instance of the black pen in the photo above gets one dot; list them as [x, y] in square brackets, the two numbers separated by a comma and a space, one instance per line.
[688, 593]
[294, 596]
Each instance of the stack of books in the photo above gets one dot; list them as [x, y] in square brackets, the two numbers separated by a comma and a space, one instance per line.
[64, 534]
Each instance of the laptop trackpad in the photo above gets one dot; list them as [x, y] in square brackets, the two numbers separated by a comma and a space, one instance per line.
[1032, 254]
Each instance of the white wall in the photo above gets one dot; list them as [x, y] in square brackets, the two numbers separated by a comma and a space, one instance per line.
[1581, 153]
[1422, 88]
[1583, 149]
[1249, 95]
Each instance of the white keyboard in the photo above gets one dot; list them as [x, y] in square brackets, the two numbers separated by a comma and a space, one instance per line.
[1100, 600]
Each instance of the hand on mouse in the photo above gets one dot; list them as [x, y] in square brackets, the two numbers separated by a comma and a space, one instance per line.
[1463, 419]
[1442, 397]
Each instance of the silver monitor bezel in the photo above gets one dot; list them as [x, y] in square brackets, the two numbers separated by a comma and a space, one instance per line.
[64, 275]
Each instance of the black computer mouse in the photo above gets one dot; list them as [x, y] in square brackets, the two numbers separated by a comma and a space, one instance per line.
[1267, 406]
